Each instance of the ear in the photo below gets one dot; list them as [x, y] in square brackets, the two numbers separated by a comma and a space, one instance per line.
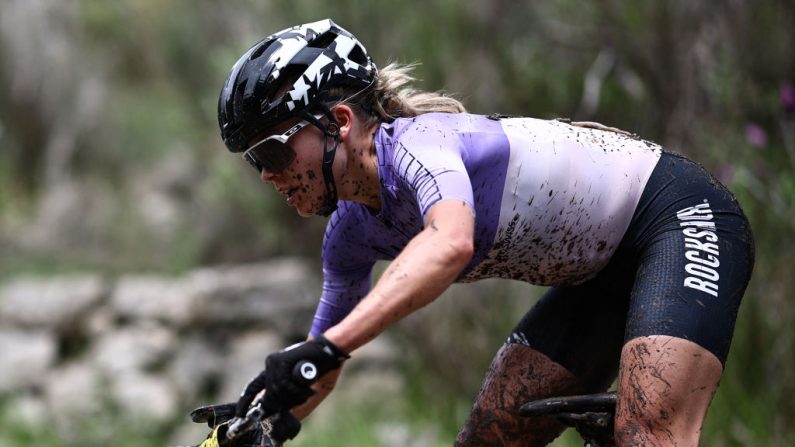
[345, 118]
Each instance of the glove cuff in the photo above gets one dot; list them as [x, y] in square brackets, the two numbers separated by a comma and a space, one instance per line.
[331, 349]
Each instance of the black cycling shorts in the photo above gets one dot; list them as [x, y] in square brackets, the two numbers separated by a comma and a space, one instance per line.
[680, 270]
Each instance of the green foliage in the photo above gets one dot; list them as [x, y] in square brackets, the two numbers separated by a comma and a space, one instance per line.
[107, 427]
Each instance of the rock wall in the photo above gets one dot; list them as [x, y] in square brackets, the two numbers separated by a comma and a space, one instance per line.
[148, 346]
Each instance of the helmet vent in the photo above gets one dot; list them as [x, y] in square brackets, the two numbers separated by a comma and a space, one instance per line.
[357, 55]
[258, 52]
[323, 40]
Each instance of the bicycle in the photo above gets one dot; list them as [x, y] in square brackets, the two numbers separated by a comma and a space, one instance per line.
[592, 415]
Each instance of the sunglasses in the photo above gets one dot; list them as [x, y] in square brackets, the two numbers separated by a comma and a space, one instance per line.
[273, 154]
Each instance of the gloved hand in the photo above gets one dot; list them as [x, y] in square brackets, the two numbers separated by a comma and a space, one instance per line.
[289, 373]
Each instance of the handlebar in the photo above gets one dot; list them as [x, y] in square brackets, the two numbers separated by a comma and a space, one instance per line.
[242, 425]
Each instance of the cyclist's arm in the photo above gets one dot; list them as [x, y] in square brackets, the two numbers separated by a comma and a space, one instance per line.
[424, 269]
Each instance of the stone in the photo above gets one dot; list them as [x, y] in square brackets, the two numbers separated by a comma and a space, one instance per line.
[194, 367]
[25, 358]
[50, 302]
[145, 397]
[280, 293]
[27, 410]
[74, 392]
[170, 300]
[100, 321]
[246, 359]
[150, 347]
[138, 347]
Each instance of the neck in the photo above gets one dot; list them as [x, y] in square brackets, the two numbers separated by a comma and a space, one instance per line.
[360, 182]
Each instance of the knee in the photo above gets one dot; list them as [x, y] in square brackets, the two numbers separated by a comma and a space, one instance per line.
[641, 422]
[665, 387]
[642, 429]
[482, 428]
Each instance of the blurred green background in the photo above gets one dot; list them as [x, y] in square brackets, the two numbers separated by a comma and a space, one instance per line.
[110, 158]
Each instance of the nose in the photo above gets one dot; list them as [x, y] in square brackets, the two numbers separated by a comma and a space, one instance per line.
[266, 176]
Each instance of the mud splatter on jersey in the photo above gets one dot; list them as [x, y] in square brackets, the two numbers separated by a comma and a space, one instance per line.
[551, 200]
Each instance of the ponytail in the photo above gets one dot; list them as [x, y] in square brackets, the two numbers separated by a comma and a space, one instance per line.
[391, 96]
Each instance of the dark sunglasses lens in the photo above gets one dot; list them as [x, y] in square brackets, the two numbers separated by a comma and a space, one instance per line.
[272, 156]
[252, 161]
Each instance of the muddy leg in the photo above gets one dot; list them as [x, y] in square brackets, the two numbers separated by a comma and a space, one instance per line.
[517, 375]
[665, 387]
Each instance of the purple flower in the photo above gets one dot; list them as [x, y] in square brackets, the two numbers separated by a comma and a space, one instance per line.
[755, 135]
[788, 97]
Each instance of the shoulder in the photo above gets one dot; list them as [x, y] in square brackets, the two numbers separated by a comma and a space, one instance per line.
[427, 127]
[427, 137]
[348, 214]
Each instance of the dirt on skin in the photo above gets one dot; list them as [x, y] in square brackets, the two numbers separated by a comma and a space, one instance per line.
[643, 413]
[517, 375]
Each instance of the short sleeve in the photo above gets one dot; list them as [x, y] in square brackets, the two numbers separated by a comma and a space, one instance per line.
[430, 159]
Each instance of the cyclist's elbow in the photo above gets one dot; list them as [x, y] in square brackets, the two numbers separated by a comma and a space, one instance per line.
[461, 250]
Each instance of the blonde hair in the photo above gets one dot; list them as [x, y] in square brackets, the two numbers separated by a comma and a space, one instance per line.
[391, 96]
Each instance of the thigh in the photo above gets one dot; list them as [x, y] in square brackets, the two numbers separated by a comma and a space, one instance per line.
[568, 343]
[695, 255]
[690, 280]
[517, 375]
[580, 327]
[693, 274]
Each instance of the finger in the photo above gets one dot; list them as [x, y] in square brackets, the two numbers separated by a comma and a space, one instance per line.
[288, 395]
[258, 398]
[251, 391]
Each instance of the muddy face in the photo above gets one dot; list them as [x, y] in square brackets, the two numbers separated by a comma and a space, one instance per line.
[302, 183]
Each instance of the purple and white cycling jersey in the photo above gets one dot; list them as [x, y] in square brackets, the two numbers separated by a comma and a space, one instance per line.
[551, 200]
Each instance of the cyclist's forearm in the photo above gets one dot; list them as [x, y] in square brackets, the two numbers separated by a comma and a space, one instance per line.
[322, 388]
[423, 270]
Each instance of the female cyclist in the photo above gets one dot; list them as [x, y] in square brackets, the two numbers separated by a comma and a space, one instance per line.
[646, 254]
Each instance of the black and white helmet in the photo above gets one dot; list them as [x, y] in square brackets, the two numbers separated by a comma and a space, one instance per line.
[315, 57]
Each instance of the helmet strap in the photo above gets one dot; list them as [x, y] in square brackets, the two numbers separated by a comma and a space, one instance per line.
[332, 130]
